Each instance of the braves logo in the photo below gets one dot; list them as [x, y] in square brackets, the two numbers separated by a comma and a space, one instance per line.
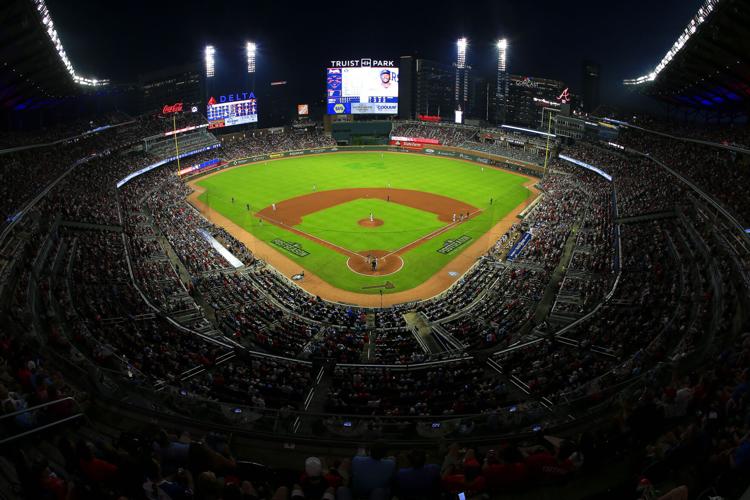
[564, 97]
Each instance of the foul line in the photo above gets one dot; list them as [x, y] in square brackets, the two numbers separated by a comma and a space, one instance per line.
[433, 234]
[352, 253]
[310, 236]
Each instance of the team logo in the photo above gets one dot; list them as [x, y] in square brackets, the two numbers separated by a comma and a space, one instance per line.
[564, 97]
[339, 108]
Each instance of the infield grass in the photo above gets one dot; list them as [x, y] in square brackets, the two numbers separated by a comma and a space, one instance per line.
[340, 225]
[261, 184]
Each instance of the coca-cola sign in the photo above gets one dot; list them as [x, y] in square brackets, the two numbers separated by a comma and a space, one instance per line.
[171, 108]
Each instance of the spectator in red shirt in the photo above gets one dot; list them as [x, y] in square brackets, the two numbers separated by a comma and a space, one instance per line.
[50, 485]
[552, 468]
[95, 469]
[465, 477]
[505, 472]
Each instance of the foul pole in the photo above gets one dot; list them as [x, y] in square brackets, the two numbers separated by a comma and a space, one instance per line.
[546, 151]
[176, 149]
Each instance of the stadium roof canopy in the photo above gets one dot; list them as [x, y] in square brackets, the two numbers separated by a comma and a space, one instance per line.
[708, 67]
[34, 69]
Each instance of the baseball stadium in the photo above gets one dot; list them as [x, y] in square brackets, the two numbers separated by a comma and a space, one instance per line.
[269, 254]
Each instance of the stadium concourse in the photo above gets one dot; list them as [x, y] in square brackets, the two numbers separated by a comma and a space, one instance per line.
[617, 336]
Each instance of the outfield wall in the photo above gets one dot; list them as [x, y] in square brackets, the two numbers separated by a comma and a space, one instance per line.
[444, 151]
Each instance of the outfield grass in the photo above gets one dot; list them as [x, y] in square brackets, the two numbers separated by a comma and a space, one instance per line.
[261, 184]
[339, 225]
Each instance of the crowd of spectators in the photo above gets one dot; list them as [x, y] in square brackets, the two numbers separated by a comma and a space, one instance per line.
[459, 387]
[26, 381]
[110, 323]
[634, 197]
[256, 382]
[249, 144]
[492, 141]
[507, 149]
[68, 130]
[731, 134]
[716, 171]
[397, 347]
[677, 297]
[446, 134]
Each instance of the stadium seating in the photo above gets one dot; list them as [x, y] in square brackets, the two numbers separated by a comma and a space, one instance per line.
[629, 300]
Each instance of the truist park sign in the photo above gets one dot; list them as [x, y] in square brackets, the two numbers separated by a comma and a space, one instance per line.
[365, 62]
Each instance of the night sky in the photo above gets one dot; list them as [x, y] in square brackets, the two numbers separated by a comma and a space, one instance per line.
[119, 40]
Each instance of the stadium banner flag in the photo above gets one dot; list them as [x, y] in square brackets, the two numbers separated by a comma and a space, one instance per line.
[519, 246]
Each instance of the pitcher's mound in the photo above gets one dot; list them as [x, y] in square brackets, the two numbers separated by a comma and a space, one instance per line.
[362, 264]
[370, 223]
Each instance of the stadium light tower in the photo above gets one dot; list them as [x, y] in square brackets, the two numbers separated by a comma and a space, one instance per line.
[502, 51]
[461, 53]
[250, 51]
[501, 91]
[462, 75]
[209, 55]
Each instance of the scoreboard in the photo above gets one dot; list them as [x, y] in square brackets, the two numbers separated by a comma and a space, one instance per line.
[234, 109]
[362, 90]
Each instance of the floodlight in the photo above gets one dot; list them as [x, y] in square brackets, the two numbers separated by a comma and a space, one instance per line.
[250, 51]
[502, 53]
[41, 7]
[461, 54]
[689, 31]
[209, 54]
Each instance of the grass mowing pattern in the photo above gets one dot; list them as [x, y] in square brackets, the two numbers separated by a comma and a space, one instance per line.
[261, 184]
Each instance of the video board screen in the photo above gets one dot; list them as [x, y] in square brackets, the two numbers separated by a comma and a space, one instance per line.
[232, 109]
[371, 90]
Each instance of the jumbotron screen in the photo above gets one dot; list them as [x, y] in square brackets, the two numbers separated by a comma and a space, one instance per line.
[362, 90]
[232, 109]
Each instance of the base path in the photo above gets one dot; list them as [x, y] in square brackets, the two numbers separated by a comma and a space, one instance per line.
[313, 284]
[290, 212]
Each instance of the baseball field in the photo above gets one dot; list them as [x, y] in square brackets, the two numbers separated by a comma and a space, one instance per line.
[367, 223]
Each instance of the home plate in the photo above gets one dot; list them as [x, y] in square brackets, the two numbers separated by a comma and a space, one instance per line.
[452, 274]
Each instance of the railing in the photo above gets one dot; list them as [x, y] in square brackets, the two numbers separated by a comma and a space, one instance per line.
[702, 194]
[64, 139]
[728, 147]
[511, 420]
[45, 426]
